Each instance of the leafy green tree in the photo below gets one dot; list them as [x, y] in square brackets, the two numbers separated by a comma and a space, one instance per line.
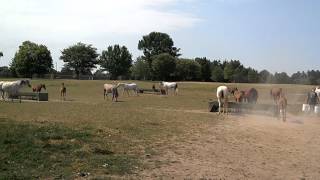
[30, 59]
[228, 72]
[163, 66]
[140, 69]
[282, 78]
[5, 71]
[265, 76]
[253, 75]
[187, 69]
[80, 58]
[205, 68]
[116, 60]
[157, 43]
[217, 74]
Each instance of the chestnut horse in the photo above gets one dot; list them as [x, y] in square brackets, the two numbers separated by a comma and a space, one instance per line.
[250, 96]
[63, 91]
[282, 106]
[275, 94]
[38, 87]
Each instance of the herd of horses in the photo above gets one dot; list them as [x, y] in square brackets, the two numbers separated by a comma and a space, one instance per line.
[251, 96]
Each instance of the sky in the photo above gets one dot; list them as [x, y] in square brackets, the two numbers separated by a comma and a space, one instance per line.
[277, 35]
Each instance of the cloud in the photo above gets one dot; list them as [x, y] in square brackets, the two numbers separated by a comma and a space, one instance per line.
[89, 17]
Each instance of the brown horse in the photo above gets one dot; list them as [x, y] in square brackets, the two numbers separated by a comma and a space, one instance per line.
[250, 96]
[282, 106]
[63, 92]
[275, 94]
[238, 95]
[38, 87]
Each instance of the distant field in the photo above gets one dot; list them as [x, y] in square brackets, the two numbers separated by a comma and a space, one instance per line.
[85, 133]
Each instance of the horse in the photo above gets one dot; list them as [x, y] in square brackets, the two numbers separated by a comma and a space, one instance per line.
[238, 95]
[222, 94]
[2, 92]
[317, 91]
[169, 85]
[12, 88]
[275, 94]
[63, 92]
[129, 86]
[250, 96]
[38, 87]
[110, 88]
[282, 107]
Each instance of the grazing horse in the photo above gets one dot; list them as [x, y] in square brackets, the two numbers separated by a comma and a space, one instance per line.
[282, 107]
[38, 87]
[110, 88]
[275, 94]
[238, 96]
[129, 86]
[63, 92]
[222, 94]
[169, 85]
[250, 96]
[12, 88]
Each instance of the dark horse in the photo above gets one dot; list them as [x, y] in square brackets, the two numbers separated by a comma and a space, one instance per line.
[250, 96]
[38, 87]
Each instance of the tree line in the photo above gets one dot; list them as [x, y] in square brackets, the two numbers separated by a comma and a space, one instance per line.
[161, 60]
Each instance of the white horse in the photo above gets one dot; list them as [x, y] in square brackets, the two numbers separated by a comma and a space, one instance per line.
[129, 86]
[1, 91]
[12, 88]
[222, 94]
[110, 88]
[317, 91]
[169, 85]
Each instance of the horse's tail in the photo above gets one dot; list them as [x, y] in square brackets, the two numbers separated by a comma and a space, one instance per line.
[176, 88]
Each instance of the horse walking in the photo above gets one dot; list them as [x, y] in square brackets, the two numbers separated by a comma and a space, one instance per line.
[222, 94]
[63, 92]
[169, 85]
[13, 87]
[38, 87]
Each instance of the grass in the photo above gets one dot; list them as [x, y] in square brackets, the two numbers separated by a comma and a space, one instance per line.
[59, 139]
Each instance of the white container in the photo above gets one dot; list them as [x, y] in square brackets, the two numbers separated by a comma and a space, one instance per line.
[317, 109]
[305, 107]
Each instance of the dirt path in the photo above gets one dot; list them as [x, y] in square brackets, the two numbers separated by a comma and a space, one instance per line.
[246, 147]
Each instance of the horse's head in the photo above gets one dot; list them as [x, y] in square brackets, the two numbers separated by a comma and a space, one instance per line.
[43, 86]
[233, 90]
[25, 82]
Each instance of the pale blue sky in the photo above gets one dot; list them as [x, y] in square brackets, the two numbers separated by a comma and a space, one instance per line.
[277, 35]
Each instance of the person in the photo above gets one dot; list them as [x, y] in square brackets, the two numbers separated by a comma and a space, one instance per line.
[312, 99]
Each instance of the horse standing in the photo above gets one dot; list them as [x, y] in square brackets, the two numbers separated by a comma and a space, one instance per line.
[222, 94]
[238, 95]
[110, 88]
[38, 87]
[282, 107]
[169, 85]
[250, 96]
[317, 91]
[12, 88]
[63, 92]
[129, 87]
[275, 94]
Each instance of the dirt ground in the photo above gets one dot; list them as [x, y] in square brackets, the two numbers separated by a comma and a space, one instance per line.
[242, 147]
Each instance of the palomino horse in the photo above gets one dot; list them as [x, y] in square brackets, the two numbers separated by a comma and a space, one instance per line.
[38, 87]
[250, 96]
[169, 85]
[275, 94]
[282, 107]
[129, 86]
[222, 94]
[63, 92]
[12, 88]
[110, 88]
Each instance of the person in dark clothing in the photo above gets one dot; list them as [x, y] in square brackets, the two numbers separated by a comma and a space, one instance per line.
[312, 99]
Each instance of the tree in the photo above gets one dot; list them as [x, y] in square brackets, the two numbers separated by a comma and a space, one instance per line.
[217, 74]
[116, 60]
[187, 69]
[140, 69]
[80, 57]
[265, 76]
[205, 68]
[30, 59]
[157, 43]
[282, 78]
[253, 75]
[163, 66]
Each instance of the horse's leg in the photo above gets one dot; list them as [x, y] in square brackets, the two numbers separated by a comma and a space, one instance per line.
[225, 104]
[219, 101]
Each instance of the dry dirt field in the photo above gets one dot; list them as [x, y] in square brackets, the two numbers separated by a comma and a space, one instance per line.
[154, 137]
